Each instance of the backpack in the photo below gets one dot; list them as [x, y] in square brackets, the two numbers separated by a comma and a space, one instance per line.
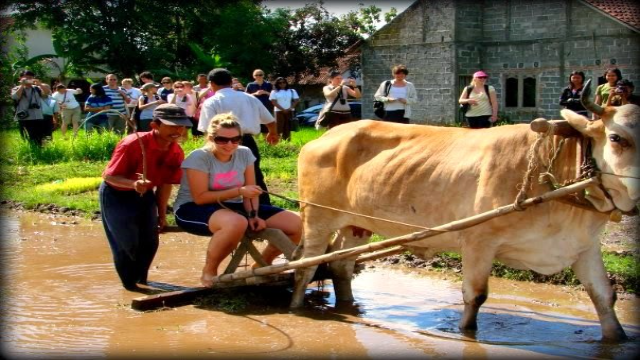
[378, 106]
[465, 107]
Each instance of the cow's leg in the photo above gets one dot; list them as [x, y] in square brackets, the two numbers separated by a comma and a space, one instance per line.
[315, 243]
[476, 268]
[342, 270]
[589, 269]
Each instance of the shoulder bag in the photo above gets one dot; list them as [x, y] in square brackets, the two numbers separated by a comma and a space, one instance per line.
[323, 119]
[378, 106]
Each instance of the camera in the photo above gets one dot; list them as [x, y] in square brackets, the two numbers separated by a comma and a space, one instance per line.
[22, 114]
[34, 106]
[27, 81]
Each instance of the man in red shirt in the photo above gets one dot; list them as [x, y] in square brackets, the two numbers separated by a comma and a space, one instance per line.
[132, 212]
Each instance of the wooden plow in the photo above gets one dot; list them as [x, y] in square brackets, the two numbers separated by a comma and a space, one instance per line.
[281, 274]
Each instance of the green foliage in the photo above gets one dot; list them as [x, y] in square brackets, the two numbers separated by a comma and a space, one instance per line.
[365, 19]
[180, 39]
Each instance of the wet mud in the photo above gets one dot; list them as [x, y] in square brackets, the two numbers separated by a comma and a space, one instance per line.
[62, 298]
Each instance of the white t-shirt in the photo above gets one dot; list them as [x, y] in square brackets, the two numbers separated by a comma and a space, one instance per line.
[396, 92]
[66, 100]
[284, 98]
[221, 175]
[134, 94]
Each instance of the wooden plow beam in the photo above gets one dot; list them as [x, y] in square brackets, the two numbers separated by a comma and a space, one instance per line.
[383, 248]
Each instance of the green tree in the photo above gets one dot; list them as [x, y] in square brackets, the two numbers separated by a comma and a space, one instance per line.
[365, 19]
[309, 38]
[182, 38]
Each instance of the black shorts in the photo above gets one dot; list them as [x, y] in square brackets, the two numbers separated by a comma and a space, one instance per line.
[194, 218]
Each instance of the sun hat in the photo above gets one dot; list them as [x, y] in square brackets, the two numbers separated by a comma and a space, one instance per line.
[148, 86]
[171, 114]
[480, 74]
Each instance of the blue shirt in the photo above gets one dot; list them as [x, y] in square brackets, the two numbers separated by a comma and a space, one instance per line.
[264, 99]
[49, 106]
[95, 101]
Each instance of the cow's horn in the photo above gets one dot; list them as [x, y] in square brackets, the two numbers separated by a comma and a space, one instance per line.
[585, 98]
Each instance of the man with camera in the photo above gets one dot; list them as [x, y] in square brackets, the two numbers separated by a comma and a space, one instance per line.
[27, 98]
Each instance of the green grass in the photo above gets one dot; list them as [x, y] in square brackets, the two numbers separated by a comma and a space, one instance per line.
[34, 175]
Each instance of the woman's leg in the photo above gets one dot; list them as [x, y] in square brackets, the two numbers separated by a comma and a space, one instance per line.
[228, 228]
[290, 224]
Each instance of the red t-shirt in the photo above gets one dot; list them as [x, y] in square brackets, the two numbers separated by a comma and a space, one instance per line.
[163, 166]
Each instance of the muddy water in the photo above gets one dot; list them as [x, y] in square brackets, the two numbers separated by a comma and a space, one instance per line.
[61, 297]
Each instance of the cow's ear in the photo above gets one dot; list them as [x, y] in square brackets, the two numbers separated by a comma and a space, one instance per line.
[594, 129]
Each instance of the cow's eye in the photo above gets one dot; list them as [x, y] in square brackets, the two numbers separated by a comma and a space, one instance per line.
[619, 141]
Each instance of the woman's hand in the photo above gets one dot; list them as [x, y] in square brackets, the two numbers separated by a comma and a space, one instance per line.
[472, 101]
[494, 118]
[257, 224]
[250, 191]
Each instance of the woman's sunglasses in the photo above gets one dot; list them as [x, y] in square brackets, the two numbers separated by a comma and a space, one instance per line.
[221, 140]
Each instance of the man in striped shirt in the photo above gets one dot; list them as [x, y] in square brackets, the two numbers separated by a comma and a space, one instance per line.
[120, 98]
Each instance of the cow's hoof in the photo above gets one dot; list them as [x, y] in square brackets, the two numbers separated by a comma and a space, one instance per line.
[617, 338]
[470, 327]
[348, 307]
[296, 304]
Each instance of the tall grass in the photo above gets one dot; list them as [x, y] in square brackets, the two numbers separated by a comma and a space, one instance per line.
[36, 175]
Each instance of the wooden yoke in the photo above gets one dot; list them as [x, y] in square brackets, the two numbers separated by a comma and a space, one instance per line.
[557, 127]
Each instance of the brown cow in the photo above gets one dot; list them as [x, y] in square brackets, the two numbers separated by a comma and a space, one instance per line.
[429, 176]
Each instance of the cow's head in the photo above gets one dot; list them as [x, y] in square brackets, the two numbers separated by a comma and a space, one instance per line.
[616, 149]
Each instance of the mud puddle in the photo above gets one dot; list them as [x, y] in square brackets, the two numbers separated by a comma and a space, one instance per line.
[62, 298]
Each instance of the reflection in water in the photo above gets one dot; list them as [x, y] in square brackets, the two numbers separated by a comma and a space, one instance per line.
[63, 297]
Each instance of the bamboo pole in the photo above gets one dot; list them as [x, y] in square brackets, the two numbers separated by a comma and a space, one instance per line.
[380, 254]
[452, 226]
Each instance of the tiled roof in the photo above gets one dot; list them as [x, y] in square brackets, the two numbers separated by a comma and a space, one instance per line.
[323, 76]
[626, 11]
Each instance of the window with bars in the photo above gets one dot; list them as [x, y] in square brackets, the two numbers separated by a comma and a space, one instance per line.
[520, 92]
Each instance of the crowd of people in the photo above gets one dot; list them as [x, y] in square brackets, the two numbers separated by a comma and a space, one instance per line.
[222, 190]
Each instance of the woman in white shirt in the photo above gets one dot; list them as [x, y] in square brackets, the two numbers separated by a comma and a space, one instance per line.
[284, 101]
[397, 95]
[182, 99]
[336, 94]
[70, 108]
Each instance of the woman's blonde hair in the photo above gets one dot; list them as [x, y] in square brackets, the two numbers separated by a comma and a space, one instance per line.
[221, 121]
[127, 80]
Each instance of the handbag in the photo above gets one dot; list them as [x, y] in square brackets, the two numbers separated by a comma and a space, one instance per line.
[465, 107]
[378, 106]
[323, 119]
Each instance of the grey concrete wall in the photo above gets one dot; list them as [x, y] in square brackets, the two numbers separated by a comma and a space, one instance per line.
[421, 39]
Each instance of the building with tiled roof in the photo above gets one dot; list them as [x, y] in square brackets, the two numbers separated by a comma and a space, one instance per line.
[625, 11]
